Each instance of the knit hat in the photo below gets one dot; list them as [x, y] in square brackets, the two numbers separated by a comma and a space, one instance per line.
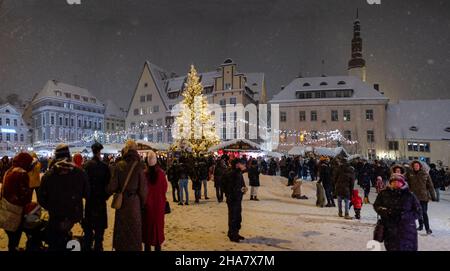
[23, 160]
[130, 145]
[397, 177]
[151, 158]
[62, 151]
[78, 159]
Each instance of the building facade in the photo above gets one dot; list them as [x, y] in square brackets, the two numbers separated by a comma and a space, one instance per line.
[313, 109]
[419, 130]
[14, 133]
[65, 113]
[114, 122]
[157, 92]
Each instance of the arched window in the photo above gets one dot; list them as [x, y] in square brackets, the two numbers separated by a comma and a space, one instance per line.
[323, 83]
[306, 84]
[413, 128]
[341, 83]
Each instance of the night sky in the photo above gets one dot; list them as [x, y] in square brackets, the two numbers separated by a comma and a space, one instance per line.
[102, 44]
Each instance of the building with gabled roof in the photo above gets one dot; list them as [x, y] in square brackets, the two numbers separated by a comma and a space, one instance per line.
[158, 91]
[14, 132]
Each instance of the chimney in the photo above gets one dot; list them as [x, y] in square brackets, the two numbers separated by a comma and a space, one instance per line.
[282, 87]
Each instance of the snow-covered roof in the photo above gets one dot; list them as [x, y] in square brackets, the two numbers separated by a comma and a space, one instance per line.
[52, 86]
[419, 119]
[112, 110]
[153, 145]
[361, 90]
[12, 109]
[224, 145]
[331, 152]
[299, 150]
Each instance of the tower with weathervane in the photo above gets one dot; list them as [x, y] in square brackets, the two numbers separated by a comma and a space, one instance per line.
[357, 64]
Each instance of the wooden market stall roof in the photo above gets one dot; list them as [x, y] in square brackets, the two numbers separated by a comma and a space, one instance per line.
[236, 145]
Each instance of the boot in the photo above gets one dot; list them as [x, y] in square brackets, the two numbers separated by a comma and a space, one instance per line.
[347, 216]
[340, 213]
[255, 198]
[429, 232]
[420, 228]
[240, 237]
[366, 200]
[251, 197]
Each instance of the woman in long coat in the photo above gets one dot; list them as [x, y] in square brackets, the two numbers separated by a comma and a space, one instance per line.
[153, 220]
[128, 219]
[399, 209]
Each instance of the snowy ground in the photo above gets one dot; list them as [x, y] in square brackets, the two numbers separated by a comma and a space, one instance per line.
[278, 222]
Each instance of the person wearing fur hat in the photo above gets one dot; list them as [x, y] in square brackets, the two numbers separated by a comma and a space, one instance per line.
[421, 185]
[62, 190]
[154, 209]
[127, 235]
[399, 209]
[16, 190]
[95, 219]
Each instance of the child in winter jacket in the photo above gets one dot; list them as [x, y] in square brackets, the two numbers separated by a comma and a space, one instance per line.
[357, 203]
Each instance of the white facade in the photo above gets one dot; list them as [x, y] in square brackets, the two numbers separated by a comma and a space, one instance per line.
[14, 133]
[65, 113]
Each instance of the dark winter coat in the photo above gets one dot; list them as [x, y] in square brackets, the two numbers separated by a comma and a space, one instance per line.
[345, 181]
[153, 220]
[253, 176]
[399, 209]
[219, 172]
[127, 234]
[182, 171]
[421, 185]
[325, 176]
[436, 178]
[99, 175]
[232, 185]
[62, 190]
[172, 174]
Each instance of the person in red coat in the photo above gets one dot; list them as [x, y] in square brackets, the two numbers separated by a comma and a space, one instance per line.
[16, 190]
[357, 203]
[155, 205]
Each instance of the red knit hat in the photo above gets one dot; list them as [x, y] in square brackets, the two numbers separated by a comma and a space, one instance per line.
[23, 160]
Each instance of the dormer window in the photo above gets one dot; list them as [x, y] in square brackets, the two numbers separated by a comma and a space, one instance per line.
[341, 83]
[58, 93]
[447, 129]
[413, 128]
[306, 84]
[68, 95]
[324, 84]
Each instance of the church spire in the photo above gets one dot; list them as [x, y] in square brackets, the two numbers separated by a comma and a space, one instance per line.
[357, 64]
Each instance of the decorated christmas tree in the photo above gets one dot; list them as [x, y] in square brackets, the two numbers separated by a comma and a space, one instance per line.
[194, 129]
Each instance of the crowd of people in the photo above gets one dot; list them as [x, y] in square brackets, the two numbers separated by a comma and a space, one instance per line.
[74, 189]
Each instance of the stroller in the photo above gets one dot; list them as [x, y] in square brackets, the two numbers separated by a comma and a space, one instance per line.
[35, 224]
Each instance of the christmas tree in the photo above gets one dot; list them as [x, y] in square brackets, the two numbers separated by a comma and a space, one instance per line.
[194, 129]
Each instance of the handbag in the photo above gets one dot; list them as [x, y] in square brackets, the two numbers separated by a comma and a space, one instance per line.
[10, 214]
[118, 196]
[167, 208]
[378, 232]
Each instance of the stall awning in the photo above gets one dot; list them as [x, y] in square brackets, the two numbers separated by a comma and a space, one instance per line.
[238, 145]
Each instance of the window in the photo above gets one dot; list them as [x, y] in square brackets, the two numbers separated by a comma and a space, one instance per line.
[142, 99]
[393, 145]
[85, 99]
[150, 137]
[1, 120]
[306, 84]
[85, 124]
[79, 123]
[77, 97]
[372, 154]
[419, 146]
[308, 95]
[224, 117]
[136, 112]
[68, 95]
[132, 125]
[446, 129]
[107, 126]
[1, 137]
[334, 115]
[60, 121]
[112, 126]
[369, 114]
[324, 84]
[8, 123]
[52, 120]
[143, 111]
[71, 122]
[370, 136]
[348, 135]
[341, 83]
[58, 93]
[145, 85]
[222, 102]
[227, 86]
[149, 97]
[347, 115]
[8, 137]
[159, 136]
[67, 122]
[413, 128]
[283, 116]
[93, 100]
[313, 115]
[155, 108]
[16, 137]
[90, 124]
[314, 135]
[159, 122]
[233, 100]
[15, 122]
[302, 116]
